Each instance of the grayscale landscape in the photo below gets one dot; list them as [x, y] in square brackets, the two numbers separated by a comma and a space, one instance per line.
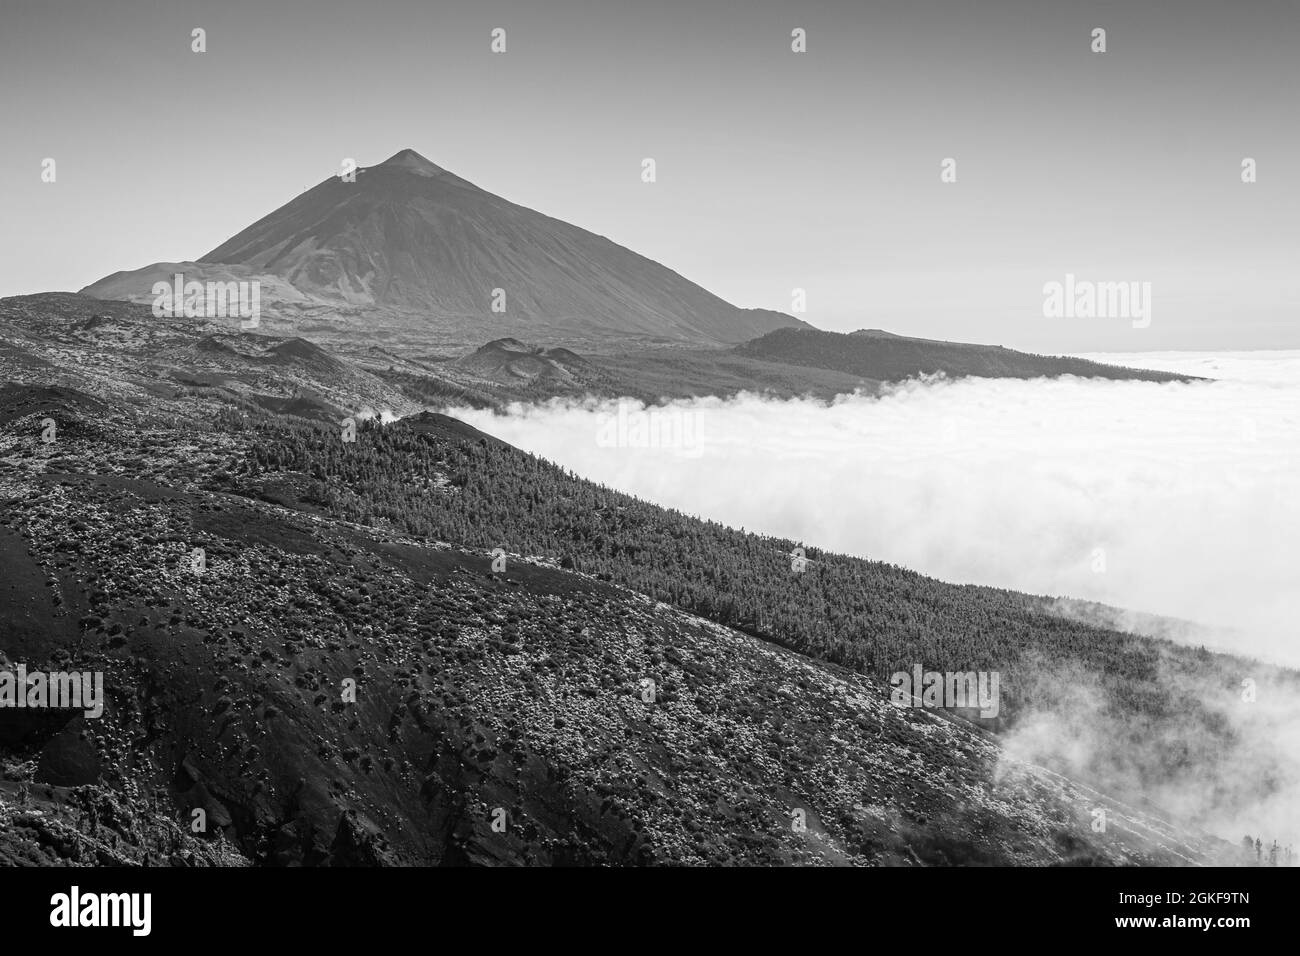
[931, 523]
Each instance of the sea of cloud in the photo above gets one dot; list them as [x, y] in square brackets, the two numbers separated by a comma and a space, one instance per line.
[1179, 499]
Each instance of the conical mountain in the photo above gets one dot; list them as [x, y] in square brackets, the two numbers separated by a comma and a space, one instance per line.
[409, 239]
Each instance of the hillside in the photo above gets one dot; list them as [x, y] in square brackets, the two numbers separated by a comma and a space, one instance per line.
[508, 370]
[523, 693]
[288, 373]
[636, 686]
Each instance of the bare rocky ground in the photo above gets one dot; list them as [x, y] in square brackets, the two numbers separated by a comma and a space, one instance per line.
[332, 694]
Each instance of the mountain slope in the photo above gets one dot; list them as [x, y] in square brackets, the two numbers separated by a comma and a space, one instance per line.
[409, 241]
[333, 693]
[522, 690]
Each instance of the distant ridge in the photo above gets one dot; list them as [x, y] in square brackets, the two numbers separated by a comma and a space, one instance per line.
[884, 356]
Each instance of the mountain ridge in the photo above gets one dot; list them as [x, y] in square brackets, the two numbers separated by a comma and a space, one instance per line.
[887, 356]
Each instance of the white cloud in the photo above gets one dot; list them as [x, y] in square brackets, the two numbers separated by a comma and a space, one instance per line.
[1187, 494]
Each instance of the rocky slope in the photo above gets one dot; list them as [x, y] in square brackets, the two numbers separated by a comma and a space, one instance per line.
[334, 691]
[329, 694]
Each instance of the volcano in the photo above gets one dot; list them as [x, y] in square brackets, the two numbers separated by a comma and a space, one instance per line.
[410, 246]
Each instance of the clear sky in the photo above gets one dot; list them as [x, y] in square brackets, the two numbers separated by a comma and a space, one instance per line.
[776, 170]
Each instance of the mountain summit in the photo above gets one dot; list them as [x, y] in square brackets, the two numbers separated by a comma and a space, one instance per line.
[410, 160]
[411, 248]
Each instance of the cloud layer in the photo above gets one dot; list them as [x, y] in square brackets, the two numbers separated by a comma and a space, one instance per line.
[1176, 499]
